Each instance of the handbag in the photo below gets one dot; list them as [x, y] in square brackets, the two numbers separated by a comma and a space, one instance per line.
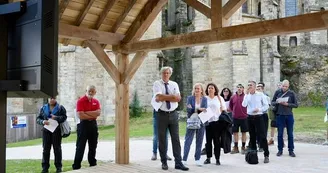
[251, 157]
[65, 129]
[193, 122]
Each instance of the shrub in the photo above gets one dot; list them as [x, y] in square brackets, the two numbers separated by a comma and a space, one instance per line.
[135, 108]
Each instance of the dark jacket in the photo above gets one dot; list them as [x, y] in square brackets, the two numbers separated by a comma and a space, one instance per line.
[292, 102]
[191, 100]
[226, 136]
[44, 115]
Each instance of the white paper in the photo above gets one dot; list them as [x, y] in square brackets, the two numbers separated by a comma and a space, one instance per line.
[326, 118]
[284, 99]
[156, 105]
[205, 116]
[52, 125]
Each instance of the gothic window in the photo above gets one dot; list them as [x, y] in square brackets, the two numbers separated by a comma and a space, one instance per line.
[290, 8]
[293, 41]
[259, 9]
[245, 8]
[190, 15]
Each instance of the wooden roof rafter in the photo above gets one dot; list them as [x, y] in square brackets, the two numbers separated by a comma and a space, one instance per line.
[122, 16]
[62, 7]
[105, 12]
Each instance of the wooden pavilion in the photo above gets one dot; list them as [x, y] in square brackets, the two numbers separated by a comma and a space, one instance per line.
[119, 24]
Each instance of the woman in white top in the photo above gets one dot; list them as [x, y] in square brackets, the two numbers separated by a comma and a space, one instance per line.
[215, 127]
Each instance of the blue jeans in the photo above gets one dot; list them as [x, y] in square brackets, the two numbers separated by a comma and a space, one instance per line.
[288, 122]
[155, 134]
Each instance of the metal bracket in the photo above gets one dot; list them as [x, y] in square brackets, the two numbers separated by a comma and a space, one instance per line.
[13, 85]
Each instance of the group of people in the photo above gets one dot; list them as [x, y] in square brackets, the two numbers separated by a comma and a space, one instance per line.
[249, 108]
[88, 110]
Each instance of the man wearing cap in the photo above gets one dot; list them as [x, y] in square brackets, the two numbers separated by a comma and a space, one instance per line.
[239, 115]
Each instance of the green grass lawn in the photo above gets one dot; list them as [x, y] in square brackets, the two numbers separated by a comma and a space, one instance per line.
[32, 166]
[308, 120]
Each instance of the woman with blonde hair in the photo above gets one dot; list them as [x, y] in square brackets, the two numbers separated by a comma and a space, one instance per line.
[196, 103]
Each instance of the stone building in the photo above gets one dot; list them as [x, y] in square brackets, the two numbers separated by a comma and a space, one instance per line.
[225, 64]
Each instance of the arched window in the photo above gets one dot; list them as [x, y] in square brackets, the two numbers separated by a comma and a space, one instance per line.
[293, 41]
[290, 8]
[245, 8]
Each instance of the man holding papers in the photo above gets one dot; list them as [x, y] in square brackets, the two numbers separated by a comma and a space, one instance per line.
[51, 114]
[285, 100]
[167, 92]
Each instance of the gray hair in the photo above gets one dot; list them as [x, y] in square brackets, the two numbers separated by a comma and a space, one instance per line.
[285, 82]
[166, 68]
[91, 87]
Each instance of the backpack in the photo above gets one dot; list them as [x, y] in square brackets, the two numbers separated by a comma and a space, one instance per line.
[251, 157]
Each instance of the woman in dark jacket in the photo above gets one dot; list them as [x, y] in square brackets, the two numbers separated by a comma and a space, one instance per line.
[196, 103]
[51, 110]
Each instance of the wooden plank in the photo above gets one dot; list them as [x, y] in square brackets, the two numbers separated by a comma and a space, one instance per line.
[134, 65]
[122, 114]
[204, 9]
[84, 13]
[103, 15]
[231, 7]
[62, 7]
[104, 60]
[80, 33]
[296, 24]
[122, 17]
[216, 14]
[143, 20]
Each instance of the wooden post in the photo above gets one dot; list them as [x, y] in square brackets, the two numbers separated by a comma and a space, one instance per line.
[216, 14]
[3, 94]
[122, 113]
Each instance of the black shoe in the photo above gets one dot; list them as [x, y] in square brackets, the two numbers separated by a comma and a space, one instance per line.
[292, 154]
[58, 170]
[164, 166]
[207, 161]
[279, 153]
[203, 151]
[181, 167]
[44, 171]
[218, 162]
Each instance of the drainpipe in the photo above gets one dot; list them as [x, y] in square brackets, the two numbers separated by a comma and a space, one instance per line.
[261, 60]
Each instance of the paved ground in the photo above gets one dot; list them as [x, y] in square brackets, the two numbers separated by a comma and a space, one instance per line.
[310, 158]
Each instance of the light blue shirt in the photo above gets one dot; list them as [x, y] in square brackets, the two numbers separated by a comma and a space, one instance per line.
[256, 100]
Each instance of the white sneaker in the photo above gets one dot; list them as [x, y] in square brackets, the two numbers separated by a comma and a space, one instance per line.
[199, 163]
[184, 162]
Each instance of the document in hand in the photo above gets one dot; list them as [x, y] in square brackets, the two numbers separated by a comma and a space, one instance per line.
[283, 99]
[206, 115]
[52, 125]
[156, 105]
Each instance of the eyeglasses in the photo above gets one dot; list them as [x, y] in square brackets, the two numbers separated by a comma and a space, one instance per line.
[226, 91]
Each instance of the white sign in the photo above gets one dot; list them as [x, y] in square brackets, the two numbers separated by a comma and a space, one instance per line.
[18, 121]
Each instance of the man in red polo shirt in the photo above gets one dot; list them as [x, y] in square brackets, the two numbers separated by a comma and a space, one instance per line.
[88, 110]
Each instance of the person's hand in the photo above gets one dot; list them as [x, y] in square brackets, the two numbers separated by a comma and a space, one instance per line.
[157, 99]
[46, 122]
[247, 91]
[284, 103]
[256, 110]
[53, 116]
[189, 106]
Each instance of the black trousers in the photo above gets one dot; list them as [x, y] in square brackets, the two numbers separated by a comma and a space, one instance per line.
[86, 131]
[53, 139]
[266, 124]
[257, 129]
[168, 120]
[214, 133]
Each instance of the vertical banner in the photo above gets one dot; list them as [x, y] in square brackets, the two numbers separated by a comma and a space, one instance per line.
[18, 121]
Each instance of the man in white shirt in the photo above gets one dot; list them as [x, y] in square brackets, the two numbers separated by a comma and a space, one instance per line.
[256, 104]
[167, 92]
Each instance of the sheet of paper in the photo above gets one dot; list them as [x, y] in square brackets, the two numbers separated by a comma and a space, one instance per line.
[156, 105]
[284, 99]
[52, 125]
[205, 116]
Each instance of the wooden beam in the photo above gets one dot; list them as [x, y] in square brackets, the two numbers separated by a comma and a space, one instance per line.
[103, 58]
[296, 24]
[228, 9]
[121, 18]
[80, 33]
[122, 114]
[62, 7]
[82, 15]
[231, 7]
[134, 66]
[216, 14]
[104, 13]
[204, 9]
[143, 20]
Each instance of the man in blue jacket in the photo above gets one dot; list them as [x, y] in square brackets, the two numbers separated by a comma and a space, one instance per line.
[285, 100]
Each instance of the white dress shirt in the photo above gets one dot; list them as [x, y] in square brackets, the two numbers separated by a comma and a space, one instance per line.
[173, 89]
[215, 105]
[256, 100]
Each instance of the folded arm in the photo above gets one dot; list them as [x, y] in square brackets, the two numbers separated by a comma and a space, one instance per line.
[170, 98]
[84, 116]
[93, 114]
